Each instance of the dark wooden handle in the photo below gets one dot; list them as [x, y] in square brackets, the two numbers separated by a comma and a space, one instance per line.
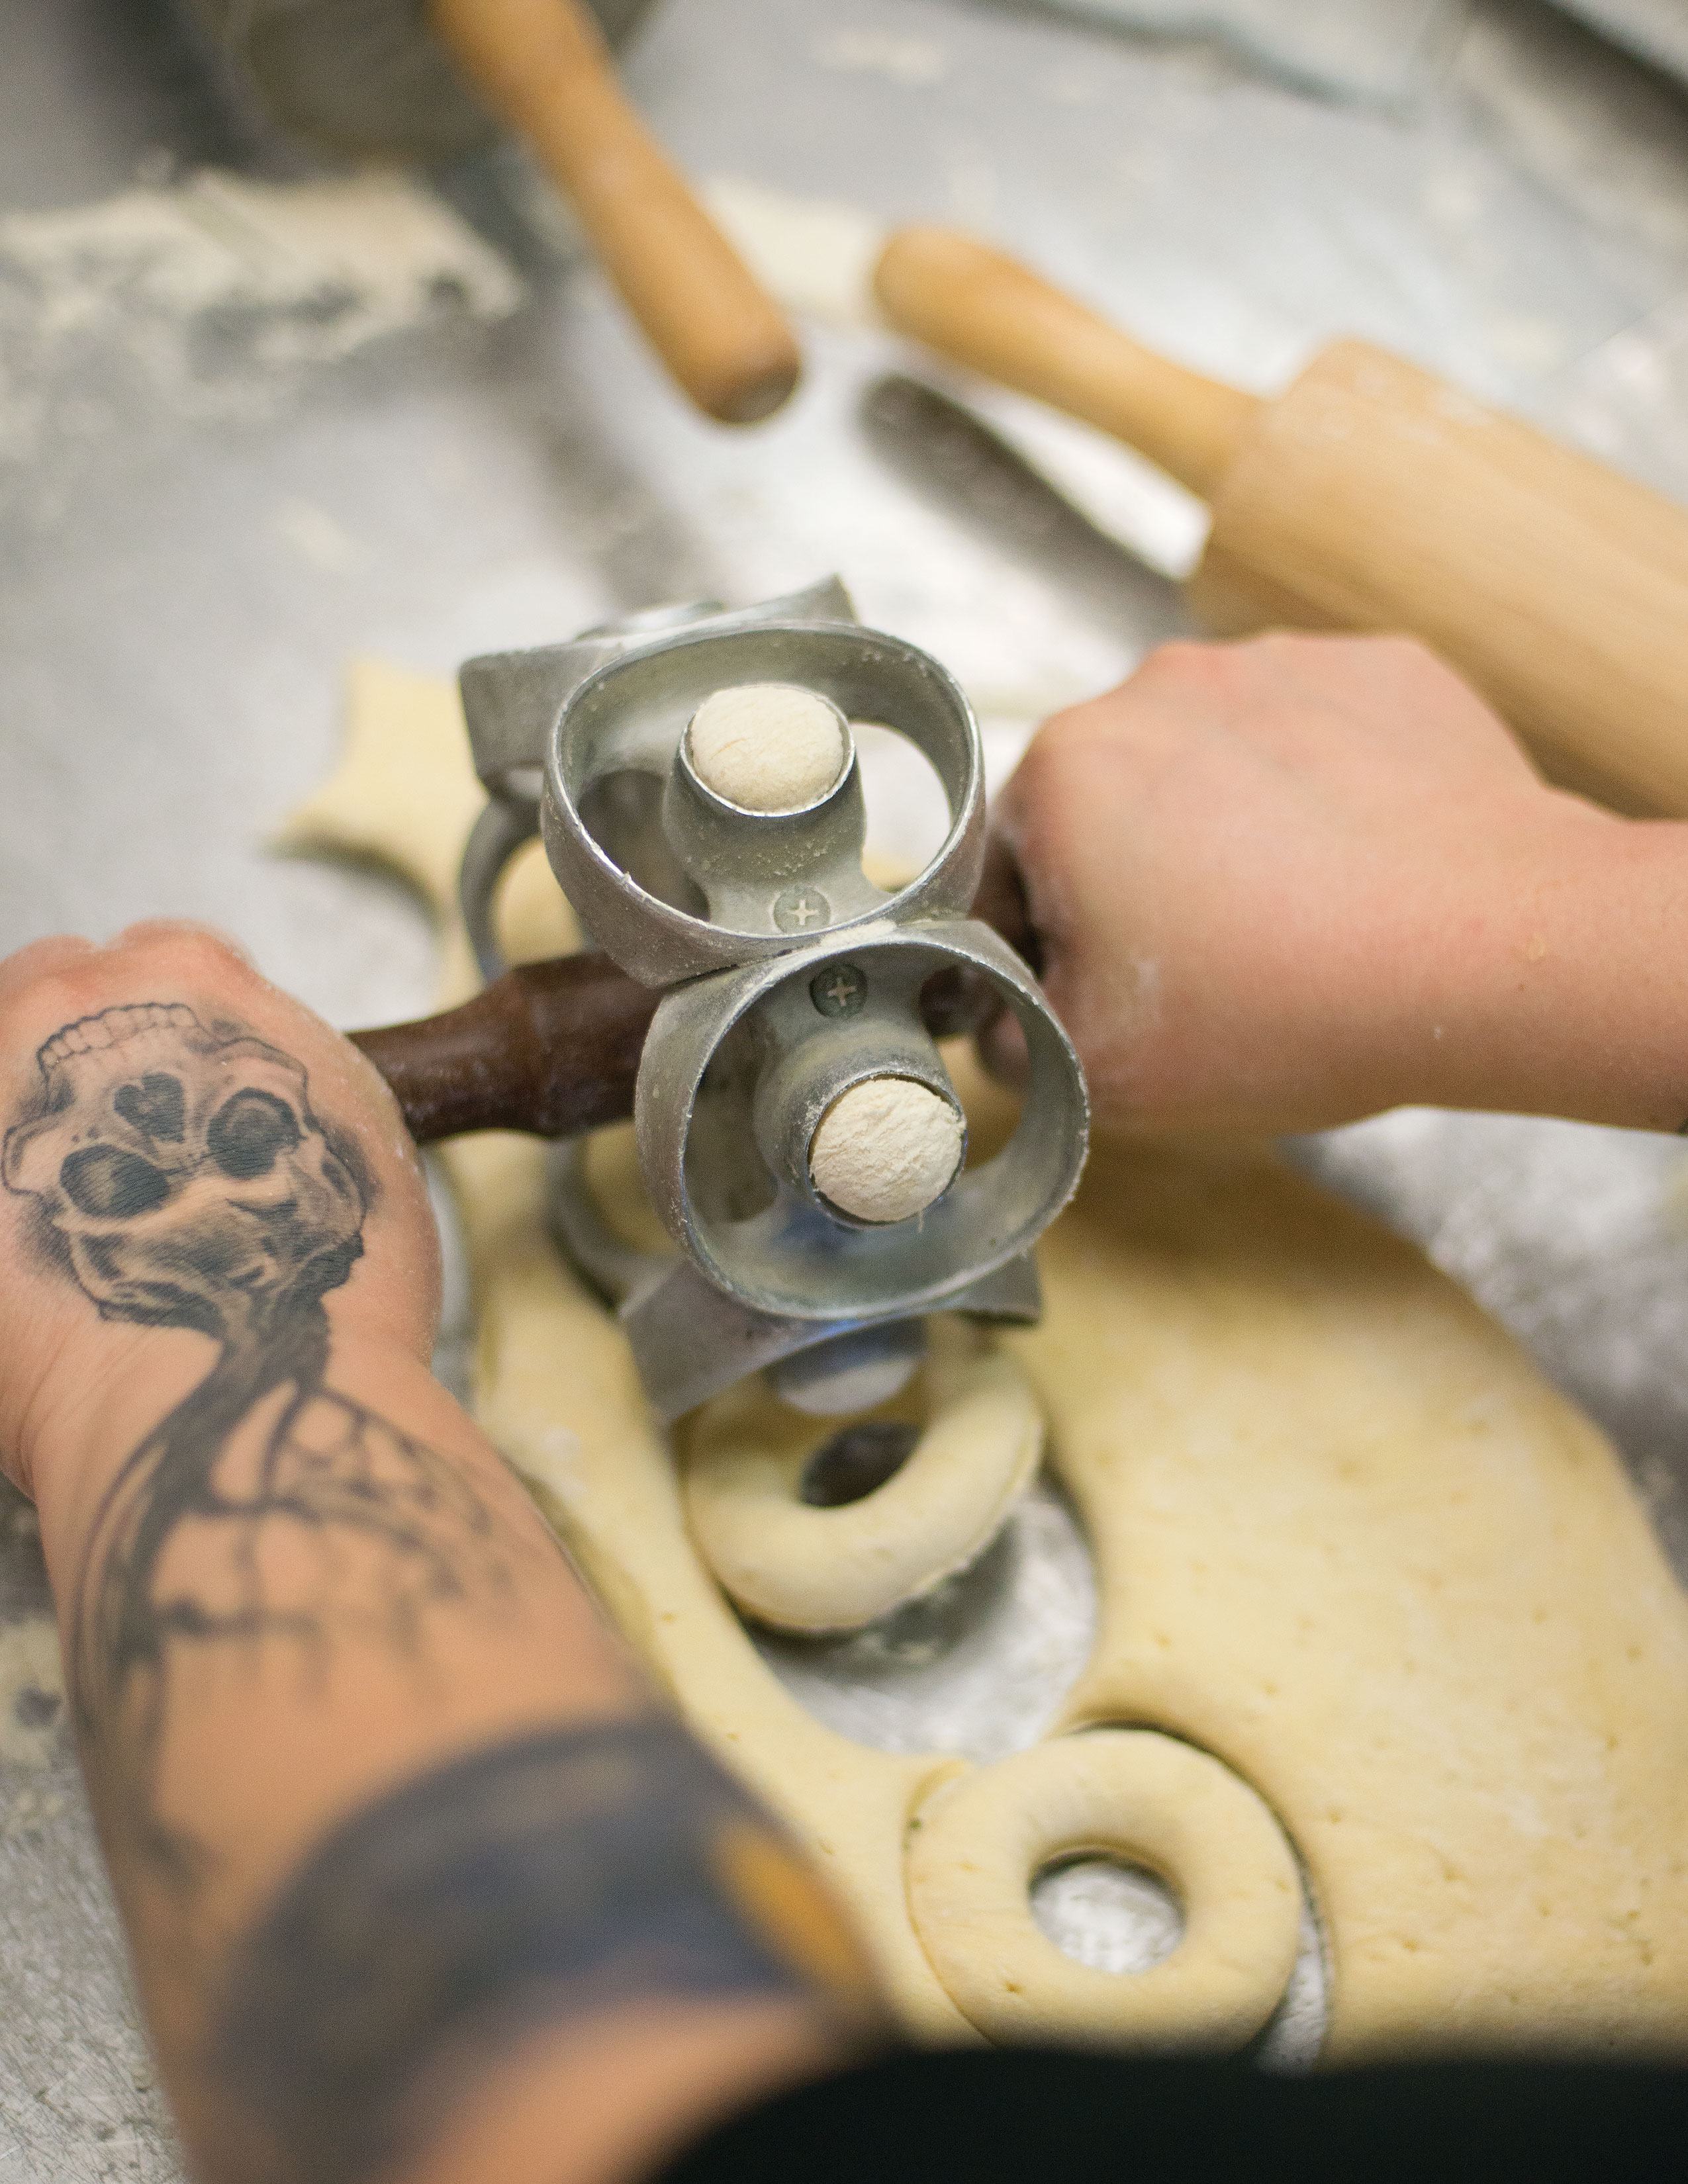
[553, 1048]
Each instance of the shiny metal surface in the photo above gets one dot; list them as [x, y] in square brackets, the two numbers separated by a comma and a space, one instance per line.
[512, 702]
[199, 521]
[745, 1056]
[787, 1254]
[630, 717]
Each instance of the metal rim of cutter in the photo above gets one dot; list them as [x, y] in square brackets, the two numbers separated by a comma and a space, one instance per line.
[690, 1341]
[629, 716]
[791, 1257]
[510, 700]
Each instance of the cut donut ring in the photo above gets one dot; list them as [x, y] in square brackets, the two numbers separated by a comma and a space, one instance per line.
[802, 1568]
[979, 1841]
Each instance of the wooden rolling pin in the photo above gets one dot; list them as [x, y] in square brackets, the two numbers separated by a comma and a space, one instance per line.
[368, 77]
[553, 1048]
[543, 66]
[1372, 496]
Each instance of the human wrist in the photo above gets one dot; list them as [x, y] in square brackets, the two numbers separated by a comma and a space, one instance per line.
[1560, 993]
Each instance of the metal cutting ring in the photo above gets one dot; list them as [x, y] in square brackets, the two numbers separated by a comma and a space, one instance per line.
[629, 716]
[785, 1256]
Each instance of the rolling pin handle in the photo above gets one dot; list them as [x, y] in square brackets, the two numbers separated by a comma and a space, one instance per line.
[542, 65]
[995, 316]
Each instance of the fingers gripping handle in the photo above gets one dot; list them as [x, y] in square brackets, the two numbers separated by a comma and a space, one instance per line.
[553, 1048]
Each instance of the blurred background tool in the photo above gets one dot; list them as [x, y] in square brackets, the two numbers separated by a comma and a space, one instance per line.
[386, 78]
[1371, 495]
[1656, 30]
[1376, 50]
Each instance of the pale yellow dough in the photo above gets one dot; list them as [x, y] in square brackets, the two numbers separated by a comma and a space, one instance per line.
[1349, 1542]
[805, 1568]
[981, 1840]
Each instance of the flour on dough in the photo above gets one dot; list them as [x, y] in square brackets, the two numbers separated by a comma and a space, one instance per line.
[886, 1148]
[768, 747]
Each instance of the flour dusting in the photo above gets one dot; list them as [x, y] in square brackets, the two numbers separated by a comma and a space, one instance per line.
[31, 1692]
[217, 289]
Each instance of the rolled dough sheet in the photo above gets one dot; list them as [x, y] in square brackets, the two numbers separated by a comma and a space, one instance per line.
[1348, 1541]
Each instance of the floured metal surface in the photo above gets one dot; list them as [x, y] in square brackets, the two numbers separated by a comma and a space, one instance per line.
[77, 2101]
[217, 292]
[1385, 50]
[180, 592]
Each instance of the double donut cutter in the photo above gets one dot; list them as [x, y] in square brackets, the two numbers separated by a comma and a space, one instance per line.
[789, 980]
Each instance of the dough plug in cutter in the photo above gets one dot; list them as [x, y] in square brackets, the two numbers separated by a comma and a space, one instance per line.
[794, 994]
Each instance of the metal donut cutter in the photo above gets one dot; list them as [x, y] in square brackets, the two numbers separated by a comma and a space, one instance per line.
[788, 979]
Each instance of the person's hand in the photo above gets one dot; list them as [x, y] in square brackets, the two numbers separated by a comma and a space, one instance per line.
[343, 1707]
[61, 1357]
[1283, 884]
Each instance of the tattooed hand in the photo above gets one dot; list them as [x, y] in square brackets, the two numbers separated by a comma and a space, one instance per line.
[171, 1160]
[417, 1884]
[130, 1165]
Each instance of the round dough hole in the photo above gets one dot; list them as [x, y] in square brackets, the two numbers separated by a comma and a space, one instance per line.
[812, 1530]
[856, 1462]
[1105, 1913]
[768, 747]
[979, 1842]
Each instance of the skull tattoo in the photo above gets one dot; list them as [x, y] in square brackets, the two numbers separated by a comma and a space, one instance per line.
[183, 1172]
[186, 1173]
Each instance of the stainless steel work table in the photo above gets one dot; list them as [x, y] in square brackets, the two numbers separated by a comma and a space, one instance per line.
[204, 510]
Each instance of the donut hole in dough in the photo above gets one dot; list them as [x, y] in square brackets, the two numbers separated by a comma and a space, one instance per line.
[977, 1843]
[805, 1565]
[768, 747]
[1107, 1912]
[856, 1462]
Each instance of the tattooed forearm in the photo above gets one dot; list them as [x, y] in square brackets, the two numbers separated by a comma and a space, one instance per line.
[180, 1176]
[549, 1878]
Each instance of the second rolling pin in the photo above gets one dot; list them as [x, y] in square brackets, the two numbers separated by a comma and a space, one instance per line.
[1370, 495]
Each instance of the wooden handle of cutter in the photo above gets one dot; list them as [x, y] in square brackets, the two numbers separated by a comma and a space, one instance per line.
[994, 315]
[553, 1048]
[543, 66]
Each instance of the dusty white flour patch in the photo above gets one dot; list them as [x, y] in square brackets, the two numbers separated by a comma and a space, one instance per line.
[31, 1692]
[1628, 400]
[217, 286]
[816, 254]
[908, 61]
